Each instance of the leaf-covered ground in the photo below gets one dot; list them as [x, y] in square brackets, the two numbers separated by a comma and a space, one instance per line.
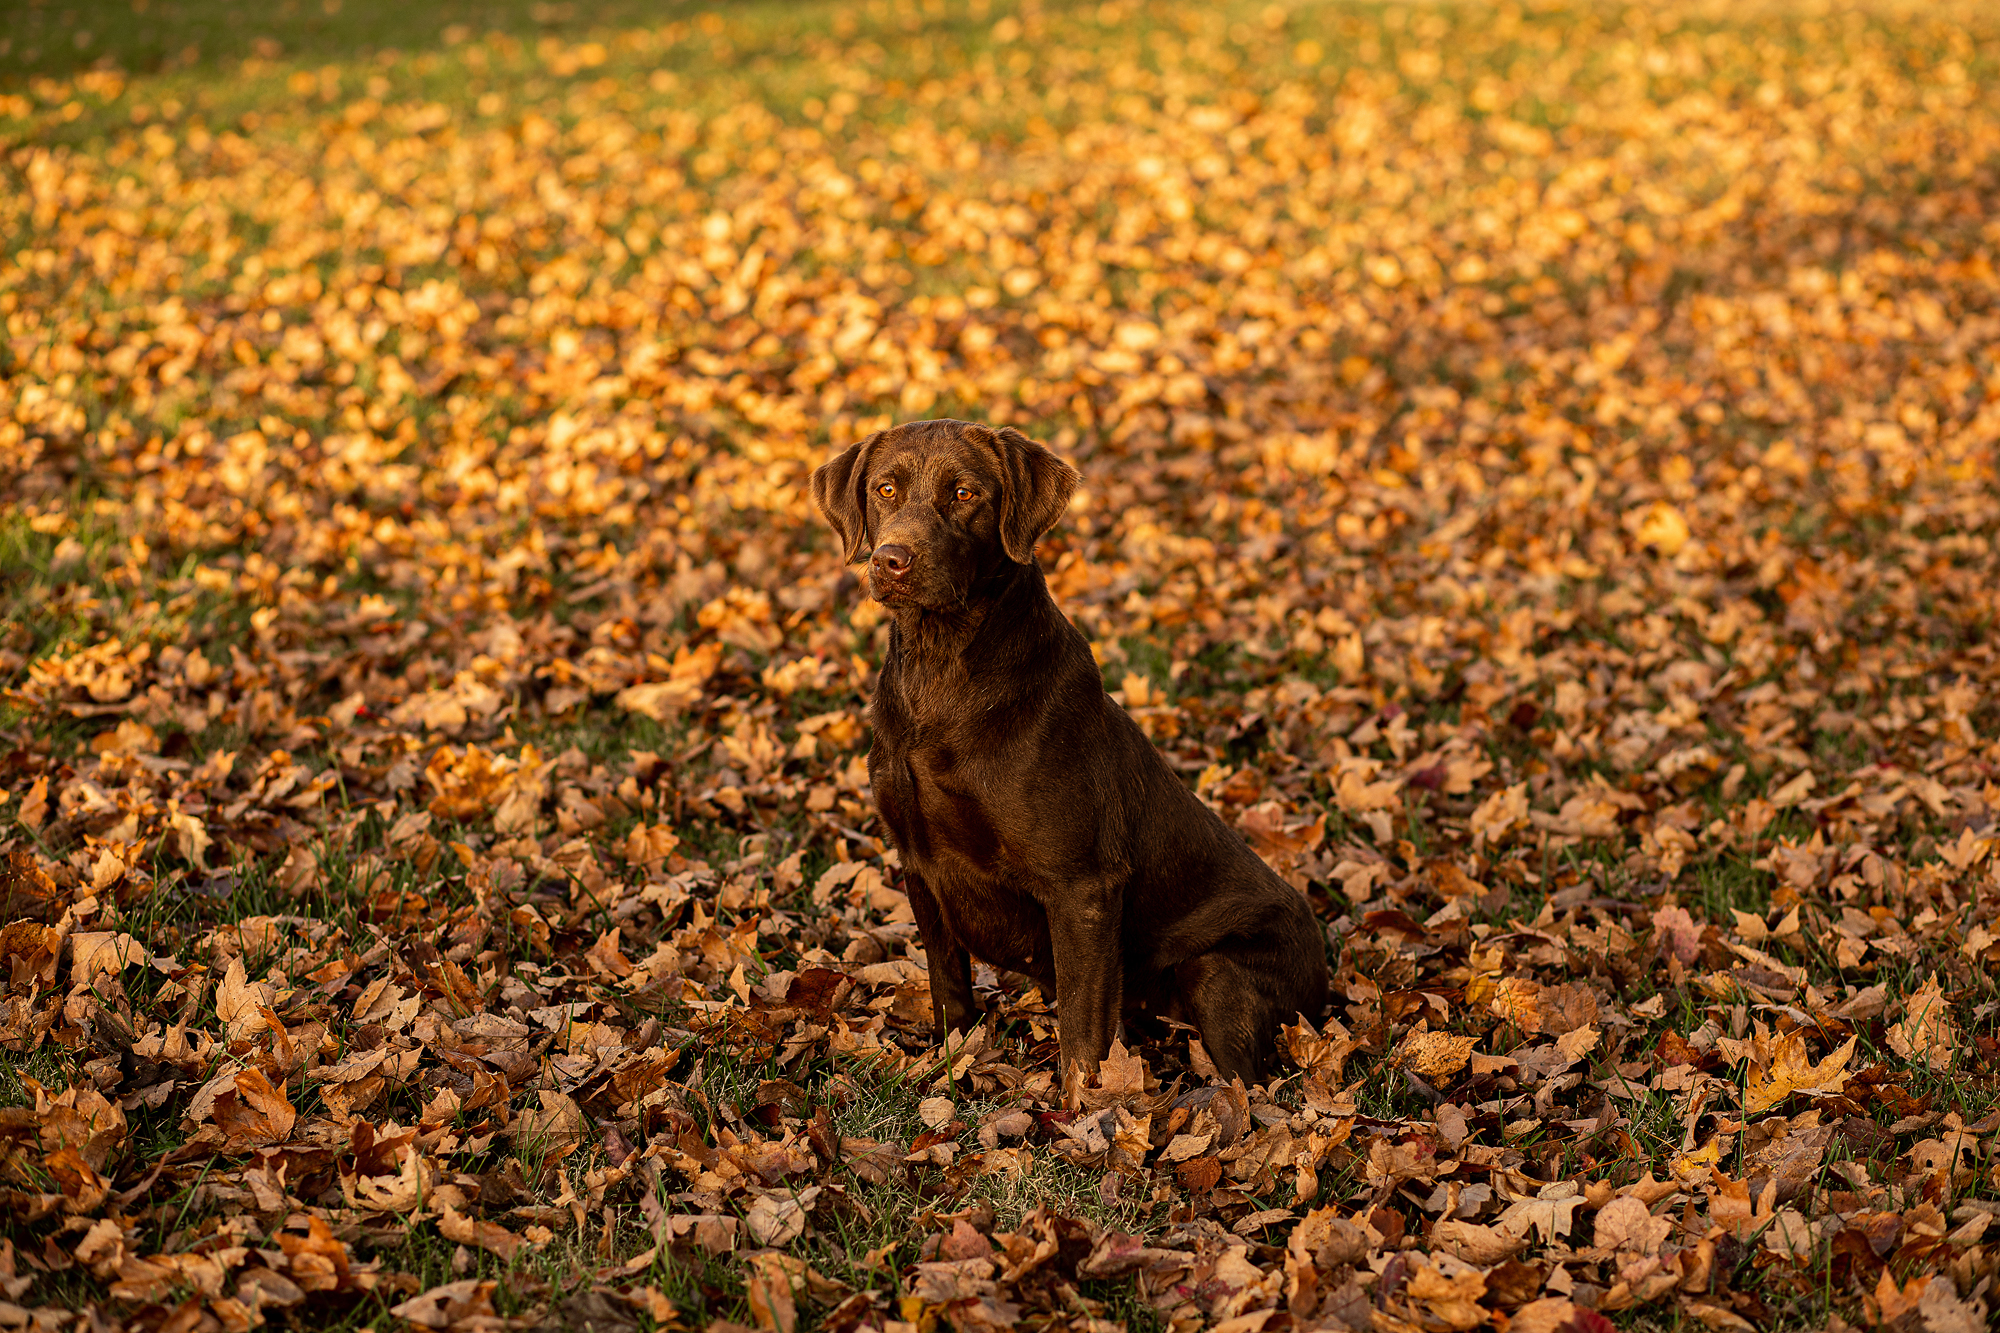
[1540, 486]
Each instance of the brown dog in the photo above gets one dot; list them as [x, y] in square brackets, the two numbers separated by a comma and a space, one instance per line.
[1038, 827]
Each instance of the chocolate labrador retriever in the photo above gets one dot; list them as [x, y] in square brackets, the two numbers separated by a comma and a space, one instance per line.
[1038, 827]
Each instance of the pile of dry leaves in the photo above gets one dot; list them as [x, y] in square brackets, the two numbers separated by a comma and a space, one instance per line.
[1540, 487]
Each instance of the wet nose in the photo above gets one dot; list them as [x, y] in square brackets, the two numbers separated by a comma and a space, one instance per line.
[894, 559]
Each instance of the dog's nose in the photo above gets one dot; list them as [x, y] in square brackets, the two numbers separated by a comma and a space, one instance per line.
[895, 559]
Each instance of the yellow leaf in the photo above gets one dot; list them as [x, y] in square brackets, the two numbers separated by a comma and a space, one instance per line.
[1792, 1070]
[1664, 529]
[1696, 1165]
[1436, 1055]
[1500, 814]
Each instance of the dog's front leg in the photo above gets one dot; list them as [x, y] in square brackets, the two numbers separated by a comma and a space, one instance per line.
[952, 1008]
[1090, 981]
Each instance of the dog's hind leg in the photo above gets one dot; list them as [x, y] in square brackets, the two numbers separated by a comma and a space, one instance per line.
[1238, 1022]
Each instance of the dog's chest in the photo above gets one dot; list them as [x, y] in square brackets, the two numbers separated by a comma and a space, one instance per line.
[948, 836]
[937, 812]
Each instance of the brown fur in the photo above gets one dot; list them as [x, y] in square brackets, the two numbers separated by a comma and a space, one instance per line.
[1038, 827]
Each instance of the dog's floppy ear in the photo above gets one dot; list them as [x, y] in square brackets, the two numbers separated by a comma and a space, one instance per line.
[840, 490]
[1037, 490]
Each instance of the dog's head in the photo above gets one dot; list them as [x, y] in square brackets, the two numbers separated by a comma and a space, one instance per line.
[935, 505]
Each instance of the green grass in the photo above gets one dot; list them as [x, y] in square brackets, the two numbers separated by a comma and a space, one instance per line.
[208, 60]
[44, 1066]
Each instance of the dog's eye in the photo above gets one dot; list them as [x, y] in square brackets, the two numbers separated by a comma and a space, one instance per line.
[962, 494]
[886, 490]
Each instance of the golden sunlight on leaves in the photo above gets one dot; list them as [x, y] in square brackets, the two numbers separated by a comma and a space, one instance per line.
[1539, 475]
[1789, 1070]
[1437, 1055]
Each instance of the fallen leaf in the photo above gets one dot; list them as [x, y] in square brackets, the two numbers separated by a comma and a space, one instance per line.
[1926, 1031]
[455, 1305]
[1437, 1056]
[1791, 1070]
[488, 1236]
